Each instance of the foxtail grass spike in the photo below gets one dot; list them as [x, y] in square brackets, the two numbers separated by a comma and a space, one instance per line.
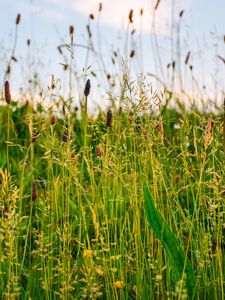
[18, 18]
[109, 118]
[7, 92]
[130, 17]
[87, 88]
[65, 136]
[71, 30]
[34, 192]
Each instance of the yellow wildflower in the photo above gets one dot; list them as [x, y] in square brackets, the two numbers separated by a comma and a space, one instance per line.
[87, 253]
[119, 284]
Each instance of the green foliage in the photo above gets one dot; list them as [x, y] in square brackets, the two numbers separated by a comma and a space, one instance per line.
[180, 264]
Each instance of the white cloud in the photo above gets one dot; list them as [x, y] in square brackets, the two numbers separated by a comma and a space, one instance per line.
[115, 12]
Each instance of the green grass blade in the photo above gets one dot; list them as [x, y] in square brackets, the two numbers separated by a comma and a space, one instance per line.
[179, 261]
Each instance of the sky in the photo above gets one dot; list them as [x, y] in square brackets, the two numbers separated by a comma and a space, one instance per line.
[46, 23]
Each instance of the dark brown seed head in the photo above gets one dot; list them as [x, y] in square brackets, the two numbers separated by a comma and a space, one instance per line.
[181, 13]
[99, 150]
[53, 120]
[100, 7]
[6, 208]
[18, 18]
[8, 71]
[132, 53]
[87, 88]
[14, 58]
[92, 17]
[28, 42]
[35, 136]
[187, 57]
[34, 192]
[173, 65]
[109, 118]
[141, 12]
[71, 30]
[89, 31]
[65, 136]
[7, 92]
[157, 4]
[130, 17]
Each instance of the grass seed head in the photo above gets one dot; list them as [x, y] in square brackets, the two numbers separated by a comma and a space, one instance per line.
[92, 17]
[71, 30]
[53, 120]
[87, 88]
[34, 192]
[89, 31]
[18, 18]
[132, 53]
[181, 13]
[65, 136]
[99, 150]
[7, 92]
[187, 57]
[109, 118]
[157, 4]
[100, 7]
[130, 17]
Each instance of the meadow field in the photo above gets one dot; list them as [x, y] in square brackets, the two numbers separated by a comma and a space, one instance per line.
[126, 203]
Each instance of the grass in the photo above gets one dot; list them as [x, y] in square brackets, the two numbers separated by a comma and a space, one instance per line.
[85, 235]
[128, 204]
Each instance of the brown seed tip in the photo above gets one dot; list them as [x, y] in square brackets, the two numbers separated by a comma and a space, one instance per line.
[92, 17]
[109, 118]
[7, 92]
[141, 12]
[181, 13]
[157, 4]
[173, 65]
[87, 88]
[132, 53]
[71, 30]
[65, 136]
[130, 17]
[28, 42]
[100, 7]
[18, 18]
[34, 192]
[89, 31]
[99, 150]
[187, 57]
[53, 120]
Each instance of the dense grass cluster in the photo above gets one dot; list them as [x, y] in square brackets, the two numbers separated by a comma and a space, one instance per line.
[125, 204]
[73, 223]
